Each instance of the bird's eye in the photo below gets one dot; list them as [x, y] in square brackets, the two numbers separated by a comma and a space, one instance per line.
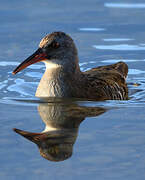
[55, 45]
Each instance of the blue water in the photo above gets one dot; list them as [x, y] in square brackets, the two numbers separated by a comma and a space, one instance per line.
[108, 140]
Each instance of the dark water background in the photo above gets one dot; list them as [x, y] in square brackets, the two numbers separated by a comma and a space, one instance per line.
[109, 146]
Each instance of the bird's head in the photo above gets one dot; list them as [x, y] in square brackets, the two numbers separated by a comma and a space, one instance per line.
[55, 49]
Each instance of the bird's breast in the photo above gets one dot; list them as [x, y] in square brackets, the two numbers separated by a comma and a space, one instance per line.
[52, 87]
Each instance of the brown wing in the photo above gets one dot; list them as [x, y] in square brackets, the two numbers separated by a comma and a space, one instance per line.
[107, 82]
[119, 67]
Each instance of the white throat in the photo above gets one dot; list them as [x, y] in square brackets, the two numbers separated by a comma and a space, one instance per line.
[52, 64]
[53, 83]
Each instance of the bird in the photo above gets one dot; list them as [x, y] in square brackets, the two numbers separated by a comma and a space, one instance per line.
[63, 77]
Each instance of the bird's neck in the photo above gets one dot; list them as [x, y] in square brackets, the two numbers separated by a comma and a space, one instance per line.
[57, 80]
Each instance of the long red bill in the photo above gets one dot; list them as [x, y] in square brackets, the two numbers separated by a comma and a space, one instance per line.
[34, 58]
[34, 137]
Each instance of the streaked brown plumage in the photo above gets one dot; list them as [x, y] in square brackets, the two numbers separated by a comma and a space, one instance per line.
[63, 77]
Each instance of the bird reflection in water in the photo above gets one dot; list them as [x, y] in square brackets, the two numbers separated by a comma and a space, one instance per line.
[62, 120]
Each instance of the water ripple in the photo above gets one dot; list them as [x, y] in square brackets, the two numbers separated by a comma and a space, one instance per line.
[117, 60]
[22, 87]
[92, 29]
[125, 5]
[15, 63]
[117, 39]
[120, 47]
